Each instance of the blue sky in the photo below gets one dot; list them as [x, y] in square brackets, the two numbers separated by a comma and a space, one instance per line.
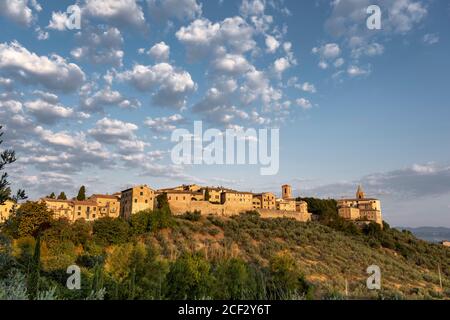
[97, 106]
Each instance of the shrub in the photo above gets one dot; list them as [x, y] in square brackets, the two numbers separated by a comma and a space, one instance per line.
[111, 231]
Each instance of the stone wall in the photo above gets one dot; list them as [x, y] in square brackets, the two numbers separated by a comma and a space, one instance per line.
[300, 216]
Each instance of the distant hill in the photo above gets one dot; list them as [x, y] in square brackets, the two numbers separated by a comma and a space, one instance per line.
[431, 234]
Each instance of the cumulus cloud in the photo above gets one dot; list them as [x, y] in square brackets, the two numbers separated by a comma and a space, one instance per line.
[110, 130]
[231, 64]
[160, 51]
[117, 12]
[95, 102]
[304, 103]
[99, 46]
[272, 44]
[203, 37]
[355, 71]
[164, 124]
[179, 9]
[47, 112]
[59, 21]
[53, 73]
[19, 11]
[170, 86]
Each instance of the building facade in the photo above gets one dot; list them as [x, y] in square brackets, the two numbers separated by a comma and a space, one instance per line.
[136, 199]
[6, 210]
[360, 208]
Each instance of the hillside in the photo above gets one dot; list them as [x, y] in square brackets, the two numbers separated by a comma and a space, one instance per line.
[158, 256]
[325, 256]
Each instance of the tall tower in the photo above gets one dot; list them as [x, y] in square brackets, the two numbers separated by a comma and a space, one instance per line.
[360, 193]
[286, 192]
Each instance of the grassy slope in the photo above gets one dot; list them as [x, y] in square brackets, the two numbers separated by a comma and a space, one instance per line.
[327, 257]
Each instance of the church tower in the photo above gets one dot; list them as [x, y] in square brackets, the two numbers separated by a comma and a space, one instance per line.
[360, 193]
[286, 192]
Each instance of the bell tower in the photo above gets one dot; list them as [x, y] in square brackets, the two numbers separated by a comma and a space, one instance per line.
[360, 193]
[286, 192]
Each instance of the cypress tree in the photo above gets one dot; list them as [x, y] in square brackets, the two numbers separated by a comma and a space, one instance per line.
[62, 196]
[81, 194]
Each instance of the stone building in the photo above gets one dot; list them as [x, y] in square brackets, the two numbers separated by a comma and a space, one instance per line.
[95, 207]
[267, 200]
[5, 210]
[108, 205]
[136, 199]
[360, 209]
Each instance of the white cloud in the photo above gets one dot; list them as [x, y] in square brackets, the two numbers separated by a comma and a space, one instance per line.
[180, 9]
[18, 10]
[339, 62]
[106, 97]
[170, 86]
[373, 49]
[231, 64]
[252, 7]
[304, 103]
[355, 71]
[164, 124]
[99, 46]
[111, 130]
[202, 37]
[430, 38]
[58, 21]
[46, 112]
[160, 51]
[272, 44]
[308, 87]
[53, 73]
[328, 51]
[280, 65]
[117, 12]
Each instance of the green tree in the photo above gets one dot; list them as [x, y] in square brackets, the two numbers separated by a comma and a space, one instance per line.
[233, 281]
[81, 194]
[7, 157]
[140, 222]
[162, 202]
[52, 196]
[207, 195]
[286, 280]
[35, 270]
[162, 217]
[111, 231]
[31, 219]
[189, 278]
[62, 196]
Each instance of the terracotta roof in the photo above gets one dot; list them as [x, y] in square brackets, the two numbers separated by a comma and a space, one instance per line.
[55, 200]
[86, 203]
[106, 196]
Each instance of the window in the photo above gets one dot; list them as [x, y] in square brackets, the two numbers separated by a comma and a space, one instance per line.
[146, 201]
[135, 200]
[141, 193]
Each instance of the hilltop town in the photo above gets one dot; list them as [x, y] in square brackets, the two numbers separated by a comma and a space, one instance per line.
[204, 200]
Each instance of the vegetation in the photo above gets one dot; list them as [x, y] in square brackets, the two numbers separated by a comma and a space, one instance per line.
[155, 255]
[7, 157]
[81, 194]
